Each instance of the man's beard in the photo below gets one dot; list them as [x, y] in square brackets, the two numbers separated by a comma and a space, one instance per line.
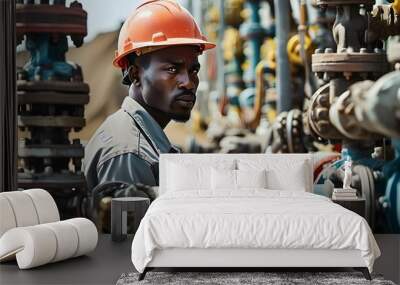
[181, 118]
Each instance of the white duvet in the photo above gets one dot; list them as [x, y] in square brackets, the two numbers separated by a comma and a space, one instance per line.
[253, 218]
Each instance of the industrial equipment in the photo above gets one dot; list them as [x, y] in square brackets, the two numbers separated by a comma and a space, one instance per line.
[51, 98]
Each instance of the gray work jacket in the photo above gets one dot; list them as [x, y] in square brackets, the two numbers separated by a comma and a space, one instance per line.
[126, 147]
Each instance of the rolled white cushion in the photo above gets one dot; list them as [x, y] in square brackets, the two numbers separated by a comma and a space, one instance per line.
[7, 218]
[23, 208]
[40, 244]
[33, 246]
[87, 235]
[45, 205]
[66, 238]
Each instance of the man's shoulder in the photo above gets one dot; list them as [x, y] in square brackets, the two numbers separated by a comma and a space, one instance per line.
[117, 135]
[116, 129]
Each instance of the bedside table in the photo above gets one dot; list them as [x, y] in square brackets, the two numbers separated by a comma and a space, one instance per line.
[357, 205]
[119, 215]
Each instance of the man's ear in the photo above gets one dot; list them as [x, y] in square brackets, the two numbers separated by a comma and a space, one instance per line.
[133, 72]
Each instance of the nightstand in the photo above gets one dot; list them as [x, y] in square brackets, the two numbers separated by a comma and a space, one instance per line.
[357, 205]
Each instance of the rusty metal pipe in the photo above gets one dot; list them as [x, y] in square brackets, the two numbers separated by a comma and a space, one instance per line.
[259, 96]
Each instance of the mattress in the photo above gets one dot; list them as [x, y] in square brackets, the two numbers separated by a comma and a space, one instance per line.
[250, 219]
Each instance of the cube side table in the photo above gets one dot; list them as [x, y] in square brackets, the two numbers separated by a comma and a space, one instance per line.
[119, 213]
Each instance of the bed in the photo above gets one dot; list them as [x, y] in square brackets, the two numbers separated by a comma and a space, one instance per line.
[247, 210]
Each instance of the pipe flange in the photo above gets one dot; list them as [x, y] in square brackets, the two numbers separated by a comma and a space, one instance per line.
[45, 18]
[294, 131]
[347, 63]
[318, 115]
[280, 130]
[53, 85]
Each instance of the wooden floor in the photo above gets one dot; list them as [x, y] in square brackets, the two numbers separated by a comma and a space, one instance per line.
[110, 260]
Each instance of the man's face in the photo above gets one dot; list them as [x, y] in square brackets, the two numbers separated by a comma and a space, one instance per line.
[169, 80]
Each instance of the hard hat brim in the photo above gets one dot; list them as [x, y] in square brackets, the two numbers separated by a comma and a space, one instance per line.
[117, 62]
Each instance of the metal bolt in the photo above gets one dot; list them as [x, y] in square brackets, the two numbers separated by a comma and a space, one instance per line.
[322, 113]
[323, 126]
[347, 75]
[350, 50]
[323, 101]
[363, 50]
[328, 50]
[47, 161]
[343, 50]
[364, 75]
[48, 170]
[318, 50]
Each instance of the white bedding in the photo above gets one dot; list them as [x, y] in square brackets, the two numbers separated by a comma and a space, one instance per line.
[252, 218]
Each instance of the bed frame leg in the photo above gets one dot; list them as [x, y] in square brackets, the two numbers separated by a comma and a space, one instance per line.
[143, 274]
[364, 271]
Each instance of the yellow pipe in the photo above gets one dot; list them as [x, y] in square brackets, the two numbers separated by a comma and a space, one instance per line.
[259, 96]
[396, 6]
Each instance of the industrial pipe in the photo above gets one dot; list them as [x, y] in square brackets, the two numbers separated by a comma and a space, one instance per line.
[283, 88]
[259, 99]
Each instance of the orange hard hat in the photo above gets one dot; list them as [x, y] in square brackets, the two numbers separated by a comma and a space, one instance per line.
[155, 24]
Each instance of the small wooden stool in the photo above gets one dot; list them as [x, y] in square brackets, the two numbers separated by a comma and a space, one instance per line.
[119, 212]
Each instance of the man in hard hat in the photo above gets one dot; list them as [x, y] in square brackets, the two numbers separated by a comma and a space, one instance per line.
[158, 49]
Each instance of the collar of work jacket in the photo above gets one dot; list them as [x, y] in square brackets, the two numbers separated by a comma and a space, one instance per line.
[149, 128]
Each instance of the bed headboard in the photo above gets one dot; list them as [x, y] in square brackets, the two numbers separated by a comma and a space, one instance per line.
[266, 160]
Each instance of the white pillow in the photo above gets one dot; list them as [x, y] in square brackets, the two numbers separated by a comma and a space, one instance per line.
[251, 178]
[298, 180]
[282, 174]
[223, 179]
[187, 176]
